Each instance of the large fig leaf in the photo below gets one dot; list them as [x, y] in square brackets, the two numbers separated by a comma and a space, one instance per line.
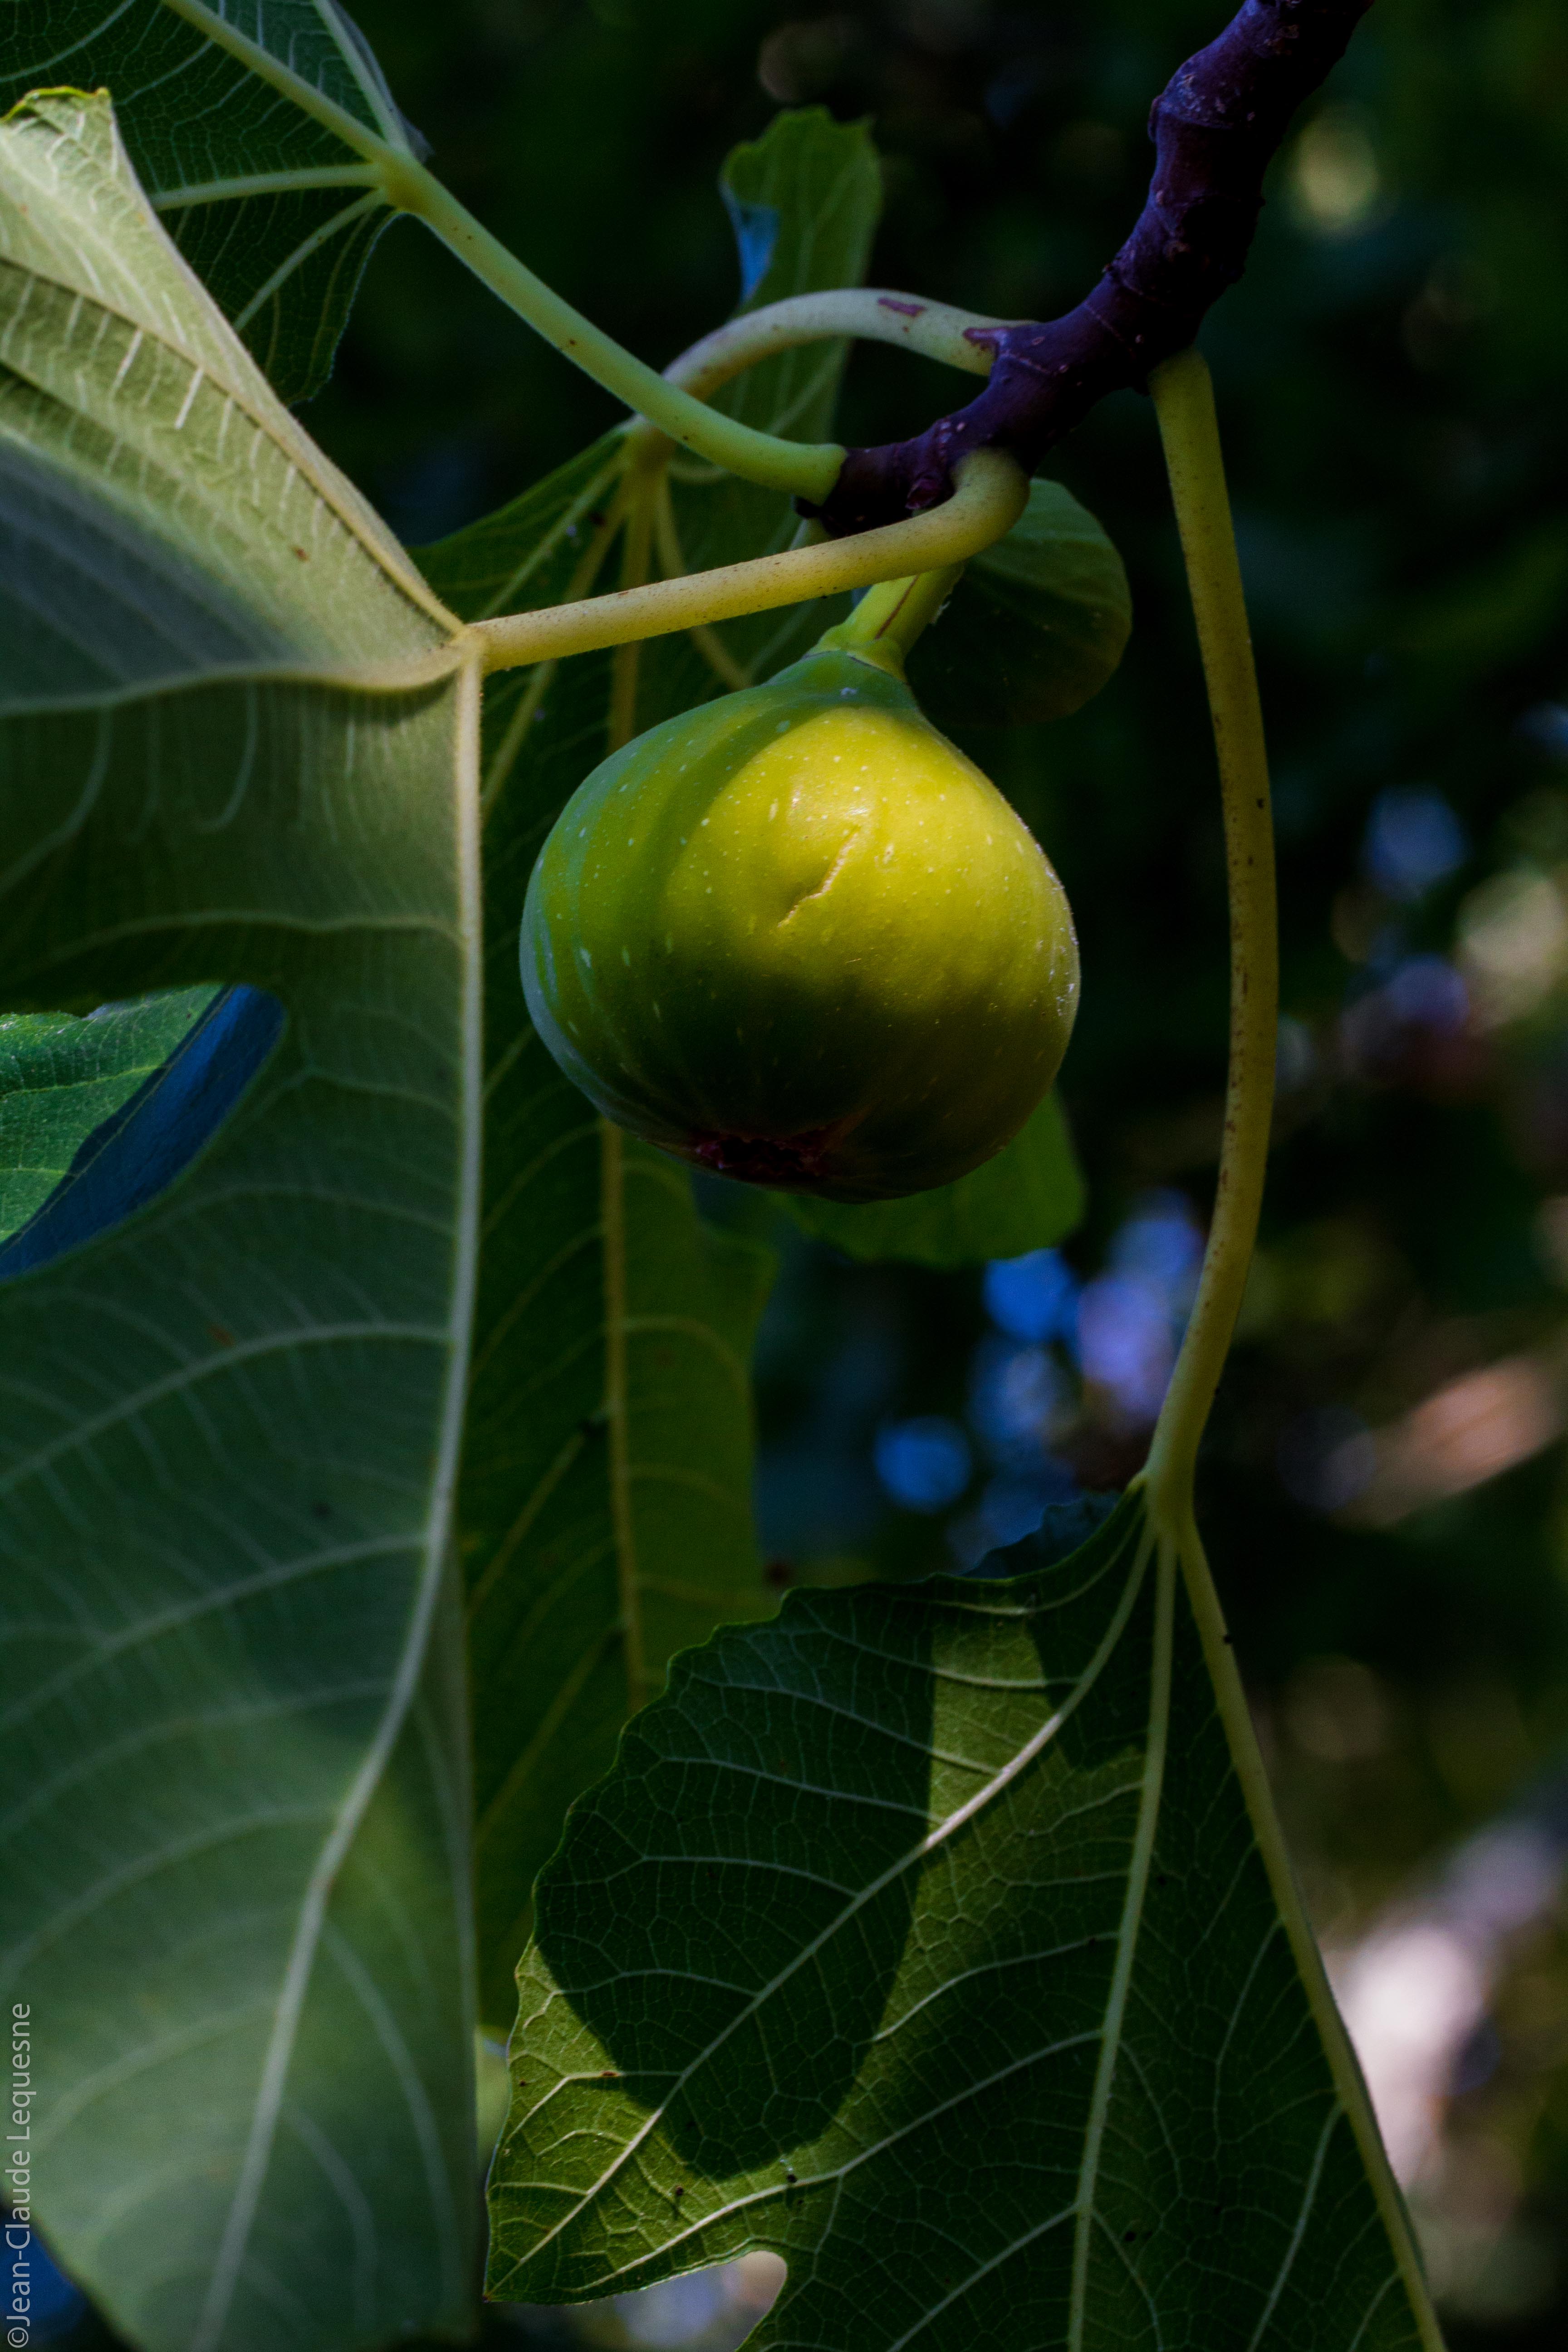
[940, 1938]
[1037, 623]
[255, 126]
[606, 1485]
[1025, 1199]
[236, 749]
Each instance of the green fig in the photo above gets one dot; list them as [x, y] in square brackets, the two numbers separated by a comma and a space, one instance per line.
[796, 937]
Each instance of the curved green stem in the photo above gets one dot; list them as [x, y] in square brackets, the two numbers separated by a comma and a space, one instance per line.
[991, 494]
[1183, 401]
[935, 330]
[808, 470]
[890, 617]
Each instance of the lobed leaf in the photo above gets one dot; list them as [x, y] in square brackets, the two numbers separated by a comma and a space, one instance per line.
[1025, 1198]
[236, 750]
[924, 1936]
[253, 126]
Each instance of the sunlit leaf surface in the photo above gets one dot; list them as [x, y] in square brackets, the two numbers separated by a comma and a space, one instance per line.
[922, 1936]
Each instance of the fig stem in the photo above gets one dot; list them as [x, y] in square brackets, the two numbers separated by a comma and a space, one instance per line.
[1183, 402]
[991, 495]
[1216, 127]
[888, 618]
[872, 313]
[806, 469]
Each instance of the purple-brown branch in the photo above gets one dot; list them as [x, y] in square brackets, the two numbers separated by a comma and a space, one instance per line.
[1216, 127]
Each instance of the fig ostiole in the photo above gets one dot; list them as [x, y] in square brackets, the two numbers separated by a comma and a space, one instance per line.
[795, 937]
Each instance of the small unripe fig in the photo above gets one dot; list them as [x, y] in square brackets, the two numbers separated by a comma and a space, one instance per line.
[796, 937]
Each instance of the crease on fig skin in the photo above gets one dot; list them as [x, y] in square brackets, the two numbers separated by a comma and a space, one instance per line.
[821, 889]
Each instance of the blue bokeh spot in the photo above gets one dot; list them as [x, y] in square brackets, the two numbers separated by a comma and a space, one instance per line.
[1412, 840]
[923, 1463]
[1032, 1298]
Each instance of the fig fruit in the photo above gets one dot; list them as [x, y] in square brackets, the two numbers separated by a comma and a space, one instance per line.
[796, 937]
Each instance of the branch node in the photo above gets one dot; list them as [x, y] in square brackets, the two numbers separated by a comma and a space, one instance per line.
[1216, 129]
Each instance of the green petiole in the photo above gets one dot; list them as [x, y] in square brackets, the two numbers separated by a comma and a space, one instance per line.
[990, 497]
[1183, 403]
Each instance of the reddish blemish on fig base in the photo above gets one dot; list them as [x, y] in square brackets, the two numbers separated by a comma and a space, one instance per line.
[795, 1163]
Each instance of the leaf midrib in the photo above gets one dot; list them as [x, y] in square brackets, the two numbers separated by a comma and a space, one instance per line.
[1127, 1930]
[262, 183]
[297, 451]
[373, 145]
[356, 1802]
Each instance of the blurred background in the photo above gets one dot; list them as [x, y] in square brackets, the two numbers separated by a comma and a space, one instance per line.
[1384, 1490]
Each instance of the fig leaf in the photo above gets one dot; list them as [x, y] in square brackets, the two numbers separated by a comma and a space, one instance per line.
[98, 1116]
[938, 1937]
[1035, 627]
[251, 181]
[61, 1078]
[236, 748]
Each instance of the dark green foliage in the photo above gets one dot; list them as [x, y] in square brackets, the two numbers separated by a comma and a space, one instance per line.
[1029, 1196]
[1035, 627]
